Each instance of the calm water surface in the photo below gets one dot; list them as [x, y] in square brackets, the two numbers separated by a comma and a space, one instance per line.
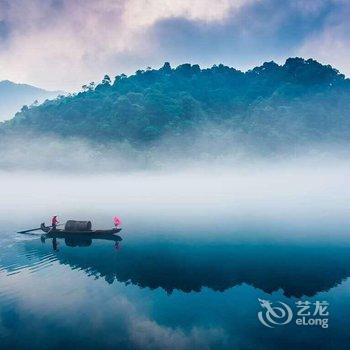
[172, 290]
[207, 260]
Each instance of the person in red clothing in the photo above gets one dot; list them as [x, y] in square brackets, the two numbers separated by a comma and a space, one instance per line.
[54, 222]
[117, 222]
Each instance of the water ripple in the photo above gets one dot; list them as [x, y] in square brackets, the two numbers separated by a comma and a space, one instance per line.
[17, 258]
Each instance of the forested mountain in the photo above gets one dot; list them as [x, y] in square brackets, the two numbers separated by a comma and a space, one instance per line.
[299, 101]
[14, 96]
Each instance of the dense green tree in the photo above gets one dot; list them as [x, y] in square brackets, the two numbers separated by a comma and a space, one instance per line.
[273, 104]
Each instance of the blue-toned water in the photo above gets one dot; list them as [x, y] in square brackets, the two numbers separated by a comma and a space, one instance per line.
[183, 276]
[174, 293]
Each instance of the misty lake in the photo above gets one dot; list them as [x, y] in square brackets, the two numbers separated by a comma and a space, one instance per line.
[200, 256]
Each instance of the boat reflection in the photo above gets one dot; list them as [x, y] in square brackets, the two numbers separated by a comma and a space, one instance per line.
[75, 240]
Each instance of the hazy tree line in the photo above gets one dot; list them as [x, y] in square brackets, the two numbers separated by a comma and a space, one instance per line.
[274, 105]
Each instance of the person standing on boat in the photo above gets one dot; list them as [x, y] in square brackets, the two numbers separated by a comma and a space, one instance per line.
[54, 222]
[117, 222]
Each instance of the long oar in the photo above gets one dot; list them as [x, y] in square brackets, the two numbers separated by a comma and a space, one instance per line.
[35, 229]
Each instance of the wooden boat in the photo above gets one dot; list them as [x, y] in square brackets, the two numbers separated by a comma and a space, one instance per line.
[91, 233]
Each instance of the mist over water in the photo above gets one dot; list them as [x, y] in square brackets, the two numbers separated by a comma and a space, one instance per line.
[293, 194]
[208, 149]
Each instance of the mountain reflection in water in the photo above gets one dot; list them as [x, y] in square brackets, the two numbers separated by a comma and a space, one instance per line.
[167, 292]
[189, 265]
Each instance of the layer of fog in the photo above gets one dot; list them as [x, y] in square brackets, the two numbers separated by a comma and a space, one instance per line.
[203, 182]
[296, 194]
[205, 149]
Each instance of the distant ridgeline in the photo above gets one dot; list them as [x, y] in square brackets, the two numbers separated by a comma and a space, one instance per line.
[300, 101]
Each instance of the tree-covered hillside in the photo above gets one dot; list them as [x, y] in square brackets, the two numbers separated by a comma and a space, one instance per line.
[299, 101]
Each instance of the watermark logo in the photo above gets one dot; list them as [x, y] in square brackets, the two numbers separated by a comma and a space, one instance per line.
[274, 315]
[306, 313]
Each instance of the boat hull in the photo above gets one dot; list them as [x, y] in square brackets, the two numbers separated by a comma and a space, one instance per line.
[90, 233]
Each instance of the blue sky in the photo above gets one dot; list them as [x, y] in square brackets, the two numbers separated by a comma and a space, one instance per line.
[62, 44]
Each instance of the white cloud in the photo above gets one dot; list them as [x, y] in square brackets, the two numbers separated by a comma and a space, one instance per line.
[331, 45]
[76, 42]
[141, 12]
[64, 44]
[60, 47]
